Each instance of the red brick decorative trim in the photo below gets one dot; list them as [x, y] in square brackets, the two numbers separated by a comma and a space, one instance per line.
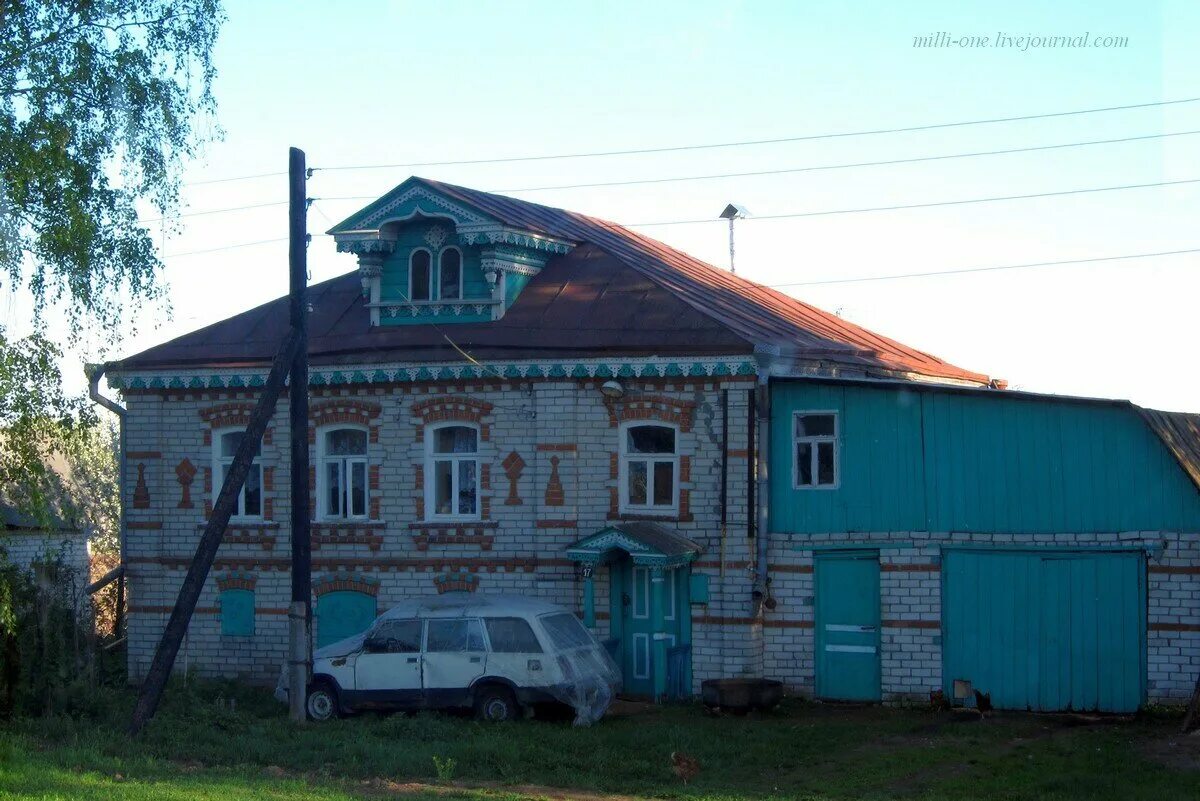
[236, 581]
[650, 407]
[555, 496]
[802, 569]
[264, 564]
[141, 493]
[185, 473]
[557, 523]
[614, 466]
[513, 465]
[143, 454]
[423, 541]
[337, 535]
[912, 624]
[456, 582]
[249, 537]
[1174, 627]
[738, 453]
[227, 415]
[928, 567]
[452, 407]
[685, 468]
[1177, 570]
[557, 447]
[345, 583]
[342, 410]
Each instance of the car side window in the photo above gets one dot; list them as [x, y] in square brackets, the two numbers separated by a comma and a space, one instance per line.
[399, 636]
[449, 636]
[512, 635]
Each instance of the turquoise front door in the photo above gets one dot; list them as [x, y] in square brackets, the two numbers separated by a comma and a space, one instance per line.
[638, 620]
[343, 614]
[847, 626]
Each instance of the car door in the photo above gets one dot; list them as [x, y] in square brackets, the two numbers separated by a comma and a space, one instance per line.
[388, 671]
[455, 655]
[514, 652]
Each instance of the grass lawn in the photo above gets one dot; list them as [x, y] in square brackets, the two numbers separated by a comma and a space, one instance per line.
[198, 748]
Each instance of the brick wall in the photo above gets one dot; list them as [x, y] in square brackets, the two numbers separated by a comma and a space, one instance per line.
[911, 605]
[517, 547]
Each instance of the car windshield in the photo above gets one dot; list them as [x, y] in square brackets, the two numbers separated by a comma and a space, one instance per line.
[566, 631]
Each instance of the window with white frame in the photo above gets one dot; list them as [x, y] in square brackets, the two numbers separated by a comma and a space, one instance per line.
[342, 474]
[649, 468]
[450, 274]
[815, 450]
[420, 275]
[452, 471]
[225, 445]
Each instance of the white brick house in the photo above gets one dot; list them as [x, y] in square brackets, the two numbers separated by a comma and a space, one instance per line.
[511, 398]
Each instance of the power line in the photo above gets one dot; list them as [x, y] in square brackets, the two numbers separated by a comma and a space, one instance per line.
[214, 211]
[921, 205]
[754, 142]
[233, 178]
[225, 247]
[786, 170]
[967, 270]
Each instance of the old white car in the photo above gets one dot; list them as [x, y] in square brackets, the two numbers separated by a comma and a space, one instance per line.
[498, 655]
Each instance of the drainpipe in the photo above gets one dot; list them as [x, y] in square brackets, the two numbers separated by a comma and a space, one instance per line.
[761, 539]
[94, 373]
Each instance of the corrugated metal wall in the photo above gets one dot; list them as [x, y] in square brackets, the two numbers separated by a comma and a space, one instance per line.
[943, 461]
[1046, 630]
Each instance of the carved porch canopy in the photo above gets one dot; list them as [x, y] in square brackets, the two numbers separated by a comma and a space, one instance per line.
[647, 543]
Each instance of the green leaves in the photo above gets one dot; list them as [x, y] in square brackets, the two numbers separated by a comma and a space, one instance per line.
[98, 107]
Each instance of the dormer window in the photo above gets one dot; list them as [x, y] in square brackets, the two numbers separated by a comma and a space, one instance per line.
[420, 273]
[450, 274]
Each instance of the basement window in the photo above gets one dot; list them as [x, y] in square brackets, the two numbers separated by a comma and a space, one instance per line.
[815, 450]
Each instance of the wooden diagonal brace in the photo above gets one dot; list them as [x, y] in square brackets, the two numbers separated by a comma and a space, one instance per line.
[210, 540]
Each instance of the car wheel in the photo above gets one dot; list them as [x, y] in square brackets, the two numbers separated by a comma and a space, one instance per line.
[496, 705]
[322, 703]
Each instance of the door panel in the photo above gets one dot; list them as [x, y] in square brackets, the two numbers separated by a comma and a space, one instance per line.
[847, 621]
[392, 676]
[1049, 631]
[455, 655]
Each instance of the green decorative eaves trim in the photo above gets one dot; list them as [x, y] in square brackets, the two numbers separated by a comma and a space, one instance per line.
[712, 367]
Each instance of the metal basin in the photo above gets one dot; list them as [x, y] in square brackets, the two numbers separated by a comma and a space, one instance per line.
[741, 695]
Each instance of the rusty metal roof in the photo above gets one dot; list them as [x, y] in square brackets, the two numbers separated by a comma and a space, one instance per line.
[756, 312]
[584, 303]
[618, 292]
[1181, 434]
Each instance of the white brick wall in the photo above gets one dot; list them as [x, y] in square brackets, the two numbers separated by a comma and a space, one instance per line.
[164, 429]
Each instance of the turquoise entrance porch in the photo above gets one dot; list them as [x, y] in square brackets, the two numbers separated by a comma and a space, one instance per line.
[648, 568]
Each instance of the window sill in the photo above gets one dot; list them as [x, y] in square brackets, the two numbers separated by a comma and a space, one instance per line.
[451, 524]
[252, 523]
[345, 525]
[665, 517]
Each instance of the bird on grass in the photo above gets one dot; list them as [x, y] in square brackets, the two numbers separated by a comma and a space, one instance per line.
[684, 766]
[983, 703]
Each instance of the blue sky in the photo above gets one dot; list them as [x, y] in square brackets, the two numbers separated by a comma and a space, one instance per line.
[396, 82]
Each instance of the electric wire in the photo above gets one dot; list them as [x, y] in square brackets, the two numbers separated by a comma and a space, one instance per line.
[994, 268]
[755, 142]
[964, 201]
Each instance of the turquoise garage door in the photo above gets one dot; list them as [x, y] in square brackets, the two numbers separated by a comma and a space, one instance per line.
[1053, 630]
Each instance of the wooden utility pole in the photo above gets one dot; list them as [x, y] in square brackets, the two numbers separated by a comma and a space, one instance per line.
[210, 540]
[300, 611]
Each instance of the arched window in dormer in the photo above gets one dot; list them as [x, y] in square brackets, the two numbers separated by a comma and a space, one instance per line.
[420, 273]
[450, 274]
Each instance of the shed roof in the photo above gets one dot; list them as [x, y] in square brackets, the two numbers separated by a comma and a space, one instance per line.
[617, 292]
[1180, 432]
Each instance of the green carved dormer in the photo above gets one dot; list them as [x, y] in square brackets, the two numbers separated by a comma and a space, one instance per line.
[425, 257]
